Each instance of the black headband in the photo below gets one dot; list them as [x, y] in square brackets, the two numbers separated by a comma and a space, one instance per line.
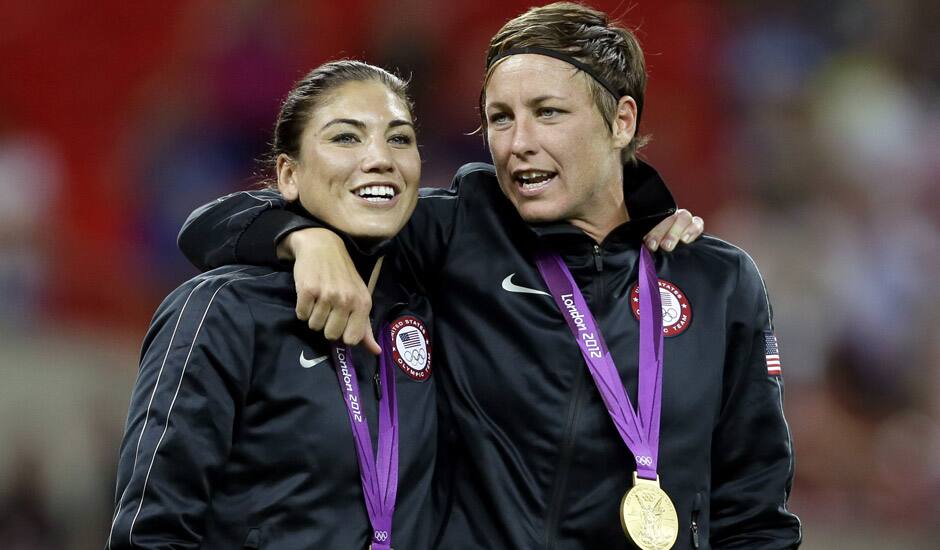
[562, 57]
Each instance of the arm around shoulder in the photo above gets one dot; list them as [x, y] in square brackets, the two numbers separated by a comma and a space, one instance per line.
[243, 227]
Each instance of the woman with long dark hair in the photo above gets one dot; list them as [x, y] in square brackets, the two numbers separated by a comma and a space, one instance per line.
[246, 429]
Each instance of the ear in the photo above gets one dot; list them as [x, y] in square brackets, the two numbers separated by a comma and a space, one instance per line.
[287, 177]
[623, 127]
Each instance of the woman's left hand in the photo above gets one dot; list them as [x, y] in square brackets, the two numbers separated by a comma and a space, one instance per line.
[681, 226]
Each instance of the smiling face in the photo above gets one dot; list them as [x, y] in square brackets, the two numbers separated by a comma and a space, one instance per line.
[556, 159]
[358, 167]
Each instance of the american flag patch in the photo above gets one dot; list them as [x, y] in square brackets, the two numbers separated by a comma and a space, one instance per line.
[772, 353]
[410, 339]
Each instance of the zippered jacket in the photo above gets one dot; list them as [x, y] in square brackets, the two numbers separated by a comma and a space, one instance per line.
[238, 435]
[537, 461]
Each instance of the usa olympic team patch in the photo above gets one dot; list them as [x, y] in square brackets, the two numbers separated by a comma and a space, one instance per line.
[677, 312]
[411, 349]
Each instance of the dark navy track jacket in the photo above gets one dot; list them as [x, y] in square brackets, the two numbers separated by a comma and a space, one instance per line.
[538, 462]
[238, 437]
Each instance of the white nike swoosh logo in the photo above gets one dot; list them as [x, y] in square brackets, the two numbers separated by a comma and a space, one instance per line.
[509, 286]
[310, 363]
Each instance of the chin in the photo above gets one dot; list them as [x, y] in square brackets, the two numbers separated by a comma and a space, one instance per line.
[372, 234]
[373, 231]
[362, 223]
[534, 212]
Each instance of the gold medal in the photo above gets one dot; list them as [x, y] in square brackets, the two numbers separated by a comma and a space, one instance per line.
[648, 517]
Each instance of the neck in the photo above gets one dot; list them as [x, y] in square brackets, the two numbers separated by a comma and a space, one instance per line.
[367, 244]
[607, 212]
[598, 229]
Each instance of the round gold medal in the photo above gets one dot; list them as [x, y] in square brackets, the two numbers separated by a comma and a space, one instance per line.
[648, 517]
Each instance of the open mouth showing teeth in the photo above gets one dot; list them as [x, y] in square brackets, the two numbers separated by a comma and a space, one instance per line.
[531, 180]
[376, 193]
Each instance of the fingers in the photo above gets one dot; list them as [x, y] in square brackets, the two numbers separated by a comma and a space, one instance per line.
[655, 236]
[331, 296]
[681, 221]
[340, 317]
[336, 324]
[318, 317]
[370, 344]
[695, 230]
[357, 327]
[305, 304]
[681, 226]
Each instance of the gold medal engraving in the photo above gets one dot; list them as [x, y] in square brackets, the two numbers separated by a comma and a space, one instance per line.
[648, 517]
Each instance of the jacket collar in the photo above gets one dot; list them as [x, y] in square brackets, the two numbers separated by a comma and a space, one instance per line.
[648, 202]
[364, 254]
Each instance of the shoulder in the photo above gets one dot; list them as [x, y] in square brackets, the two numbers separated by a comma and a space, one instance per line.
[714, 249]
[724, 251]
[465, 179]
[211, 305]
[474, 171]
[473, 188]
[226, 287]
[733, 261]
[477, 186]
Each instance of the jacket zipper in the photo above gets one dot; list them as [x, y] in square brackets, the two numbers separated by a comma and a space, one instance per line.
[564, 463]
[598, 258]
[567, 447]
[377, 382]
[693, 527]
[253, 540]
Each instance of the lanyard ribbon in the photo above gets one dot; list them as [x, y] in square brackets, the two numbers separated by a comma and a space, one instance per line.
[379, 475]
[638, 428]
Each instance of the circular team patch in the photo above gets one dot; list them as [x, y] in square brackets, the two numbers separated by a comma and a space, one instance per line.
[411, 349]
[677, 312]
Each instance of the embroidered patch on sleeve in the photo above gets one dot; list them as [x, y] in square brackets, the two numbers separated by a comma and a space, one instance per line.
[772, 353]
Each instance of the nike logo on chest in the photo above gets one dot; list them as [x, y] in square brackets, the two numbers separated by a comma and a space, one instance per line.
[509, 286]
[310, 363]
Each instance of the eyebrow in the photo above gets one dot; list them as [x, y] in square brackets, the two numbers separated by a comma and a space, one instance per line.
[543, 98]
[351, 121]
[400, 122]
[362, 125]
[534, 101]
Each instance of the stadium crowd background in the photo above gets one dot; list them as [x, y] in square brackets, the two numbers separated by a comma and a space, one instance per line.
[805, 131]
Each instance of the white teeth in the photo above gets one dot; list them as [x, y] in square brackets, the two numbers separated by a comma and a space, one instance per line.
[533, 186]
[376, 193]
[533, 177]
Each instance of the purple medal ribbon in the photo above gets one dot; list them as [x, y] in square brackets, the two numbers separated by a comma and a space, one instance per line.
[638, 428]
[379, 481]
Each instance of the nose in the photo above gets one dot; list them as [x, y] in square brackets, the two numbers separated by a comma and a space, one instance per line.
[378, 157]
[523, 137]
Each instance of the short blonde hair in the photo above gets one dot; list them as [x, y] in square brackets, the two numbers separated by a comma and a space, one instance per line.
[589, 36]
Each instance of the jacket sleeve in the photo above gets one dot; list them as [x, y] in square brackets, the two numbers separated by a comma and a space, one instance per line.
[243, 227]
[192, 382]
[752, 453]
